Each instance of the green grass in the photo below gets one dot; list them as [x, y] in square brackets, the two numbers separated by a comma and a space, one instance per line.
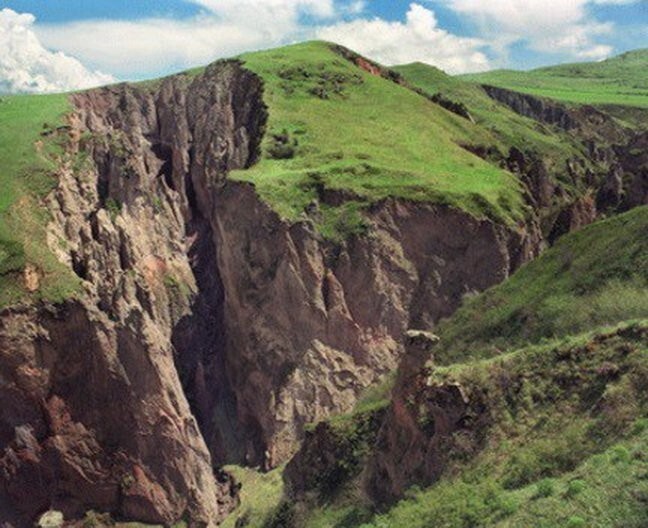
[610, 495]
[564, 443]
[593, 277]
[621, 80]
[333, 127]
[376, 396]
[27, 162]
[22, 168]
[260, 495]
[510, 128]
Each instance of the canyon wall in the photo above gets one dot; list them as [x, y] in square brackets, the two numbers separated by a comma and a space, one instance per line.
[209, 330]
[98, 416]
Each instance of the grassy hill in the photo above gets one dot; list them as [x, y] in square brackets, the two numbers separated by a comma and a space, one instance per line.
[510, 128]
[29, 150]
[332, 126]
[594, 277]
[621, 80]
[335, 125]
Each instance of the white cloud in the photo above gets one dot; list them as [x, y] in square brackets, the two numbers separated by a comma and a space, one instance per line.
[155, 46]
[357, 7]
[27, 67]
[417, 39]
[267, 9]
[152, 46]
[227, 27]
[554, 26]
[616, 2]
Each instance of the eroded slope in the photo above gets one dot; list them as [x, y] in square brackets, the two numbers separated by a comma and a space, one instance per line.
[207, 327]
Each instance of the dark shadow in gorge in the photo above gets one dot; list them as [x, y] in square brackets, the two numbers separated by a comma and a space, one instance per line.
[199, 342]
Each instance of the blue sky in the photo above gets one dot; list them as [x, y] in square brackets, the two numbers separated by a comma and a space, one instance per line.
[127, 39]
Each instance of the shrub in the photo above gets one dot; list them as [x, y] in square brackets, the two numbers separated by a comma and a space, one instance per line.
[97, 520]
[545, 488]
[354, 435]
[508, 506]
[12, 257]
[575, 487]
[546, 457]
[640, 426]
[575, 522]
[113, 207]
[282, 517]
[620, 454]
[282, 146]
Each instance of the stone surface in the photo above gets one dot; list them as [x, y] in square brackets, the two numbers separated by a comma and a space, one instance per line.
[51, 519]
[94, 415]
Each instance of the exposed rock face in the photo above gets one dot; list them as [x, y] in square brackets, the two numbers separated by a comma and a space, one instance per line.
[610, 194]
[633, 161]
[618, 154]
[583, 118]
[336, 452]
[310, 325]
[98, 418]
[575, 215]
[201, 302]
[409, 450]
[93, 417]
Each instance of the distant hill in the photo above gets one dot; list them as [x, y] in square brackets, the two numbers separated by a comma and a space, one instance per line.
[621, 80]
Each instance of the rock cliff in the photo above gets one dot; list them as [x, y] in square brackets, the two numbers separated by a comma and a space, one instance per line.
[209, 330]
[617, 151]
[99, 419]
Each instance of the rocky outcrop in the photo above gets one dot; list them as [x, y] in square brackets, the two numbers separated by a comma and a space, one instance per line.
[92, 417]
[425, 425]
[577, 214]
[534, 173]
[99, 417]
[583, 119]
[310, 325]
[618, 153]
[209, 330]
[438, 423]
[633, 162]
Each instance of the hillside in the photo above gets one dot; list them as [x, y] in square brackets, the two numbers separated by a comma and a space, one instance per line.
[546, 432]
[511, 129]
[337, 127]
[334, 130]
[30, 146]
[341, 136]
[218, 293]
[597, 277]
[620, 80]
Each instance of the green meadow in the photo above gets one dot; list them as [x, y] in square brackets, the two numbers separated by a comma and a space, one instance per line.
[333, 126]
[29, 152]
[621, 80]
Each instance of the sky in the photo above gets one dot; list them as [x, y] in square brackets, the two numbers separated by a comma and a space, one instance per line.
[57, 45]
